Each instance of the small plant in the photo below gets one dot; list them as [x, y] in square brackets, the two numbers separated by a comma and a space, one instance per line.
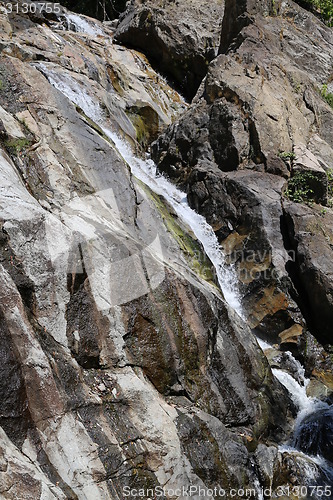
[325, 7]
[328, 96]
[322, 7]
[17, 146]
[329, 174]
[287, 155]
[299, 187]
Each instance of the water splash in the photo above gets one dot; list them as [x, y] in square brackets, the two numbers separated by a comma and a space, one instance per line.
[295, 382]
[314, 467]
[296, 390]
[296, 385]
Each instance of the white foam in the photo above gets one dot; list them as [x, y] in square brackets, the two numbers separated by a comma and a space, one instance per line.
[311, 463]
[306, 405]
[299, 369]
[263, 344]
[83, 26]
[70, 88]
[296, 390]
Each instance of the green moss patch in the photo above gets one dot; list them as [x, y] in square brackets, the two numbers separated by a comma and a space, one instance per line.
[17, 146]
[191, 248]
[328, 96]
[146, 123]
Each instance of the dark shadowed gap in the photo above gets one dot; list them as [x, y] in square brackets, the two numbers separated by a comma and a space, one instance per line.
[104, 10]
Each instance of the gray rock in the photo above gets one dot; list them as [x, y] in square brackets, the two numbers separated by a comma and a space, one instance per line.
[311, 236]
[266, 460]
[180, 38]
[238, 15]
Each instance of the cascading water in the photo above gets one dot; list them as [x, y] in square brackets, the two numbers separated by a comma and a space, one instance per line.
[314, 432]
[145, 171]
[81, 25]
[313, 426]
[311, 411]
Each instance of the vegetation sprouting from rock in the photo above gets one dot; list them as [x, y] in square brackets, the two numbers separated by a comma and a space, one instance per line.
[330, 187]
[299, 187]
[323, 7]
[328, 96]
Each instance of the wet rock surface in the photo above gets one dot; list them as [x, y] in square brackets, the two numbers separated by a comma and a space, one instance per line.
[121, 363]
[311, 235]
[314, 435]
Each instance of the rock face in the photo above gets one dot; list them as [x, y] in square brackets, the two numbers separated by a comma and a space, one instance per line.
[238, 16]
[258, 119]
[122, 366]
[311, 237]
[180, 38]
[139, 101]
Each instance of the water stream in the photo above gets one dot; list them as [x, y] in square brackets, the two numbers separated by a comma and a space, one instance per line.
[307, 441]
[146, 172]
[80, 25]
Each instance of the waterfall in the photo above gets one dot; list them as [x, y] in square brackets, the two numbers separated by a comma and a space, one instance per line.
[306, 446]
[295, 389]
[145, 171]
[296, 385]
[81, 25]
